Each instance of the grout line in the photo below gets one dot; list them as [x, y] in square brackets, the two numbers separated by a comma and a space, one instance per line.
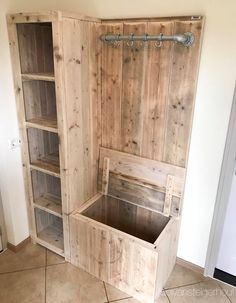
[20, 270]
[119, 300]
[224, 292]
[104, 285]
[167, 296]
[185, 285]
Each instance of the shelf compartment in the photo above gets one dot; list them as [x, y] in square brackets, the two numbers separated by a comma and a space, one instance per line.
[44, 151]
[49, 229]
[47, 192]
[35, 47]
[40, 104]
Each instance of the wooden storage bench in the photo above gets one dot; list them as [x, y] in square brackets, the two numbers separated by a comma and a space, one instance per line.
[127, 235]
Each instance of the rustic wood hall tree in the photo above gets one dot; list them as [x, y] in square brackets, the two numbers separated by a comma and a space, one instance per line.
[105, 128]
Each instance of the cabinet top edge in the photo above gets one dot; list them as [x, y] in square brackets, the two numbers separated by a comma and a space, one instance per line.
[46, 16]
[191, 18]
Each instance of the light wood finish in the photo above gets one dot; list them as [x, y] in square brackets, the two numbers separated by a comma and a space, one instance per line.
[150, 91]
[143, 181]
[47, 192]
[169, 194]
[49, 229]
[111, 254]
[38, 76]
[57, 83]
[105, 175]
[44, 123]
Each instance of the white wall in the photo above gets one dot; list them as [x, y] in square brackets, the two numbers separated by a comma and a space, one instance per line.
[214, 96]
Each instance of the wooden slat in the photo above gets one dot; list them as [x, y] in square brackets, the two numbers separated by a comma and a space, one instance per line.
[111, 89]
[168, 195]
[134, 60]
[46, 167]
[145, 169]
[38, 76]
[49, 203]
[44, 123]
[105, 175]
[181, 95]
[155, 95]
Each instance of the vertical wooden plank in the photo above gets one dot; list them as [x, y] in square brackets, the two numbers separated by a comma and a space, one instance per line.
[156, 84]
[95, 50]
[111, 89]
[14, 49]
[105, 175]
[168, 195]
[181, 95]
[57, 32]
[132, 97]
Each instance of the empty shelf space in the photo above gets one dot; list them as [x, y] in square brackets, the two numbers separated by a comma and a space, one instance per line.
[45, 123]
[40, 104]
[38, 76]
[44, 150]
[47, 192]
[49, 229]
[35, 48]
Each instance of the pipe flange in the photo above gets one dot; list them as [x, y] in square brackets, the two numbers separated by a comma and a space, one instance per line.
[189, 39]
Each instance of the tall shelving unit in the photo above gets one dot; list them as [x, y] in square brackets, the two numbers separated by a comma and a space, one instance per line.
[57, 127]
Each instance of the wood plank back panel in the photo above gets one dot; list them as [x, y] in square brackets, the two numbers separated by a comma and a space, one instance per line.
[79, 128]
[111, 90]
[142, 181]
[150, 114]
[181, 95]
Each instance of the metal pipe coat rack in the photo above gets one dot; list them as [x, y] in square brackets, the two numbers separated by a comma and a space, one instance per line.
[186, 39]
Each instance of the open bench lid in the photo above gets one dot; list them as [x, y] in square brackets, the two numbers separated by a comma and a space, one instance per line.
[147, 183]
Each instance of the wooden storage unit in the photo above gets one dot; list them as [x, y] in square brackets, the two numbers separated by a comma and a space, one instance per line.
[80, 100]
[57, 84]
[127, 235]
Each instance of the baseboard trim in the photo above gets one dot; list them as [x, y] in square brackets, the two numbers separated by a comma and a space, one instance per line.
[16, 248]
[224, 277]
[190, 265]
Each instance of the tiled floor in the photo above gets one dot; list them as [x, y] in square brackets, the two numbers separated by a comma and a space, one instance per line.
[35, 275]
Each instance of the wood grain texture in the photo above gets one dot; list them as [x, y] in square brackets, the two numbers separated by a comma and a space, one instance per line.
[182, 88]
[111, 89]
[120, 259]
[154, 105]
[142, 181]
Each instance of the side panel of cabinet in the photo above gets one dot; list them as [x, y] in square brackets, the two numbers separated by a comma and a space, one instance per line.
[14, 49]
[76, 50]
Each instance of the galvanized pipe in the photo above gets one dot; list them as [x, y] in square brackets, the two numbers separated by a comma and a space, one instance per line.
[185, 39]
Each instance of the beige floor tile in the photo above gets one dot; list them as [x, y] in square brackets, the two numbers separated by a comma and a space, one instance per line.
[66, 283]
[230, 291]
[30, 256]
[182, 276]
[114, 293]
[162, 299]
[53, 258]
[23, 287]
[204, 292]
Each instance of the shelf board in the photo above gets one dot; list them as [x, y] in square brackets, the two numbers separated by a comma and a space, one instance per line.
[52, 236]
[46, 166]
[38, 76]
[48, 123]
[49, 203]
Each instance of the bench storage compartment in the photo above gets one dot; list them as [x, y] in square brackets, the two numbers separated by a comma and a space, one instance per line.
[127, 235]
